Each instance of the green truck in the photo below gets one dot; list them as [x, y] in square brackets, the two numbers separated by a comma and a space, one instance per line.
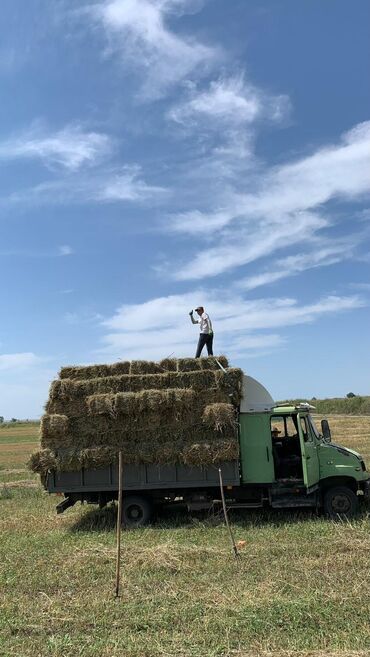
[285, 462]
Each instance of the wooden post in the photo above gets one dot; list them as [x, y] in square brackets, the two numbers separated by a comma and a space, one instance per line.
[119, 524]
[236, 553]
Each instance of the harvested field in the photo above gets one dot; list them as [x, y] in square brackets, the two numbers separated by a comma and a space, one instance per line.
[297, 591]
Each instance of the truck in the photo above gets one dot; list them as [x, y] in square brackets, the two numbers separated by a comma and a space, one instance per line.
[284, 462]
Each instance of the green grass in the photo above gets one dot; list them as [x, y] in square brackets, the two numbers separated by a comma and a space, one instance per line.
[300, 588]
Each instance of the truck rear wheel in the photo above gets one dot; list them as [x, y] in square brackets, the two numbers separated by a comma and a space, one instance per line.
[136, 511]
[340, 502]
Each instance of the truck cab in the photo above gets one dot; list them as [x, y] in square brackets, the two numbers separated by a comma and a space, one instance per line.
[282, 449]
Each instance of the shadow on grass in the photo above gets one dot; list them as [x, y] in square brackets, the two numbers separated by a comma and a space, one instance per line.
[171, 518]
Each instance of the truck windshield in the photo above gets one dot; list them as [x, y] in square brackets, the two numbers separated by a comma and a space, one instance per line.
[313, 427]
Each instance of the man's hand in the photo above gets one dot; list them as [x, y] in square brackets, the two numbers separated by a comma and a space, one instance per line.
[191, 312]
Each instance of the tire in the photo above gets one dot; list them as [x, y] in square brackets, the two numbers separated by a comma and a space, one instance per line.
[340, 502]
[136, 511]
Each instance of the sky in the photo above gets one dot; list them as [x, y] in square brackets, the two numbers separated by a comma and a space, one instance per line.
[157, 155]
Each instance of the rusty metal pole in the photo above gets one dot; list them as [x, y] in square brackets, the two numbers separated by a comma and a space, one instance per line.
[236, 553]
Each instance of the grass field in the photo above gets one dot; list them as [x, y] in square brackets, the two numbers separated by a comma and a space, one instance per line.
[301, 587]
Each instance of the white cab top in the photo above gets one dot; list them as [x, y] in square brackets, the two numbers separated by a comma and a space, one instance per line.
[255, 397]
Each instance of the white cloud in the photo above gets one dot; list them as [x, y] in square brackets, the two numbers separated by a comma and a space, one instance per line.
[161, 326]
[228, 101]
[65, 250]
[250, 241]
[319, 256]
[18, 361]
[114, 185]
[70, 148]
[128, 186]
[138, 29]
[281, 208]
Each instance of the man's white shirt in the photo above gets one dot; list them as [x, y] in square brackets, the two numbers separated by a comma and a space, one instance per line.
[205, 324]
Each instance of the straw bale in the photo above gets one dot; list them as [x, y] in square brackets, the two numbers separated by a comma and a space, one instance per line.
[142, 367]
[134, 404]
[175, 411]
[210, 453]
[207, 363]
[219, 416]
[67, 396]
[95, 371]
[145, 367]
[42, 461]
[51, 427]
[168, 364]
[177, 448]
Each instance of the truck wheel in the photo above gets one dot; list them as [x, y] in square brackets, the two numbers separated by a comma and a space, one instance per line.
[136, 511]
[341, 502]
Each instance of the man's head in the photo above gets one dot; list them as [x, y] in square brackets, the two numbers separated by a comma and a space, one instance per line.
[199, 310]
[275, 432]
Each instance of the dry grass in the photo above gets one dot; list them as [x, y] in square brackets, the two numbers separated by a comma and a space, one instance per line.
[351, 431]
[299, 589]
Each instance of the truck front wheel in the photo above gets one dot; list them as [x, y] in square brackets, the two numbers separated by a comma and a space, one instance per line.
[136, 511]
[340, 502]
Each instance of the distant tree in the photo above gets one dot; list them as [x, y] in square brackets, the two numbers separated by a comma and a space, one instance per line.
[1, 419]
[313, 398]
[14, 419]
[350, 395]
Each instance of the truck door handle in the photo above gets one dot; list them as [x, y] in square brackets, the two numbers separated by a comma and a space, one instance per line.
[267, 453]
[307, 458]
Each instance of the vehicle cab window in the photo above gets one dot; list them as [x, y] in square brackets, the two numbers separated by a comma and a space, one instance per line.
[286, 446]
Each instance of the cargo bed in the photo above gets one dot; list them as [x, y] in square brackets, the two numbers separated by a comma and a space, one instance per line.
[143, 478]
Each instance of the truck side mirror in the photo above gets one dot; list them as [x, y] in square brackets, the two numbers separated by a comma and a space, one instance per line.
[325, 430]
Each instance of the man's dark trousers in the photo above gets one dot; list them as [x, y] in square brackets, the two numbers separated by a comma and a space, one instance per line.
[205, 339]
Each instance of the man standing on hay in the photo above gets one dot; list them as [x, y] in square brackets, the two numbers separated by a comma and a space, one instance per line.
[206, 331]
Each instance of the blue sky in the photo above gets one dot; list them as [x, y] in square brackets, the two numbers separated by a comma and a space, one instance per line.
[160, 154]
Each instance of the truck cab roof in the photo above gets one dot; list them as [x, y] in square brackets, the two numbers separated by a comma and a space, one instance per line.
[287, 409]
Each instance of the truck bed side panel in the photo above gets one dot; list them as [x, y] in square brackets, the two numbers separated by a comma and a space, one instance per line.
[143, 477]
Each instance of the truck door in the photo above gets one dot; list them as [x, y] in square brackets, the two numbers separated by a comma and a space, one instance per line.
[310, 459]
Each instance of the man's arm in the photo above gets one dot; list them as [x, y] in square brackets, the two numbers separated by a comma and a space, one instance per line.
[193, 321]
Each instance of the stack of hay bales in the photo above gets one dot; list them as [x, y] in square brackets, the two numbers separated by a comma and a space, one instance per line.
[175, 411]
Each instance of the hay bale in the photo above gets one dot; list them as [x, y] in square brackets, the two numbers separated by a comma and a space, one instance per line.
[51, 427]
[210, 453]
[219, 416]
[175, 411]
[145, 367]
[68, 396]
[201, 364]
[168, 364]
[42, 461]
[142, 367]
[95, 371]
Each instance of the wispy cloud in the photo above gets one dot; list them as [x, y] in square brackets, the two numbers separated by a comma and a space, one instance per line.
[139, 31]
[65, 250]
[18, 361]
[230, 101]
[318, 256]
[70, 148]
[281, 207]
[128, 185]
[161, 326]
[123, 184]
